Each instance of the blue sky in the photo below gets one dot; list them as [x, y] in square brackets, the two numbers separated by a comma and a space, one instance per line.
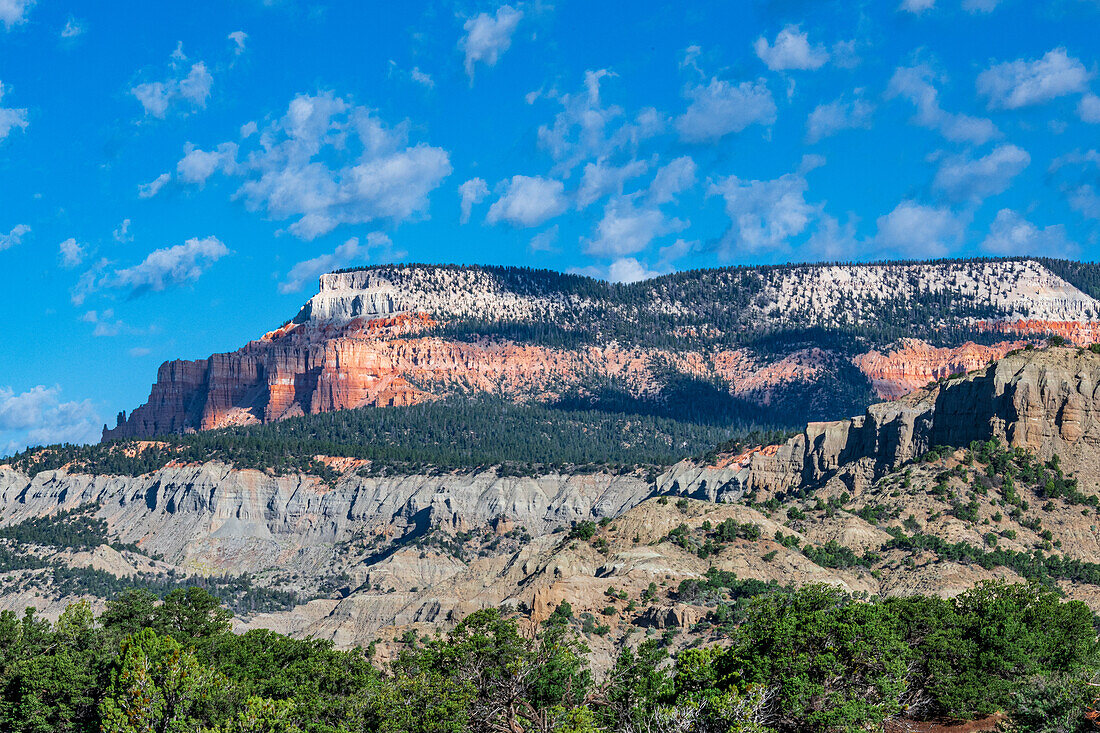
[174, 176]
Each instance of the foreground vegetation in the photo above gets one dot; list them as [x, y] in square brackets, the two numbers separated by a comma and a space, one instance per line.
[437, 436]
[814, 659]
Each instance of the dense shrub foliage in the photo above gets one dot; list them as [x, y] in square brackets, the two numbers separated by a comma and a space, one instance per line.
[814, 659]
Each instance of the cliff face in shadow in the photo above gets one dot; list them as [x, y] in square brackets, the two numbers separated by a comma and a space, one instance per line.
[1045, 401]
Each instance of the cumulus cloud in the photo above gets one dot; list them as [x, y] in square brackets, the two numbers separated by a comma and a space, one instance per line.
[72, 254]
[791, 50]
[153, 187]
[528, 201]
[962, 178]
[1011, 235]
[1023, 82]
[829, 119]
[626, 229]
[915, 85]
[488, 37]
[916, 7]
[629, 270]
[168, 267]
[326, 163]
[673, 178]
[624, 269]
[192, 88]
[916, 231]
[472, 192]
[238, 38]
[39, 417]
[764, 214]
[10, 117]
[1089, 109]
[349, 253]
[14, 12]
[586, 128]
[198, 165]
[720, 108]
[600, 179]
[13, 237]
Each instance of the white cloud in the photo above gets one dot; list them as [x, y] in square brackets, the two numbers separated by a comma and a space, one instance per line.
[587, 129]
[624, 269]
[150, 189]
[962, 178]
[1011, 234]
[1085, 200]
[1022, 83]
[980, 6]
[676, 250]
[73, 28]
[10, 117]
[544, 241]
[72, 254]
[472, 192]
[625, 229]
[197, 165]
[600, 179]
[122, 234]
[917, 231]
[39, 417]
[328, 162]
[238, 38]
[916, 7]
[14, 12]
[629, 270]
[422, 78]
[1089, 109]
[833, 240]
[139, 351]
[720, 108]
[488, 37]
[528, 201]
[677, 176]
[764, 214]
[792, 50]
[249, 129]
[164, 268]
[349, 253]
[828, 119]
[14, 237]
[157, 96]
[915, 84]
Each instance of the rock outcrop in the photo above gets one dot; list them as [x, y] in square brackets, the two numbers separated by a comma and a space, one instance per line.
[399, 336]
[1046, 401]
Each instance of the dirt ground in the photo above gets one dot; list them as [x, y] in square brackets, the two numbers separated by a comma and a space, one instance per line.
[968, 726]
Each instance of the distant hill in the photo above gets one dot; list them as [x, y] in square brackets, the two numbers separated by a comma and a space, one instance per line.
[765, 345]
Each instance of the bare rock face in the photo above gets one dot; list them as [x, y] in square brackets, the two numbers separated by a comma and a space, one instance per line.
[371, 338]
[1047, 401]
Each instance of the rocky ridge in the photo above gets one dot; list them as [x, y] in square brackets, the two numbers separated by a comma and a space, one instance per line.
[401, 335]
[423, 551]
